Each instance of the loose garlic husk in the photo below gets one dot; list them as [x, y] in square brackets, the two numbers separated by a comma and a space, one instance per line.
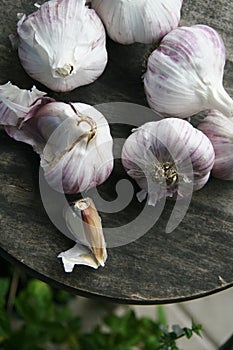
[143, 21]
[73, 140]
[184, 74]
[84, 224]
[62, 44]
[219, 130]
[167, 157]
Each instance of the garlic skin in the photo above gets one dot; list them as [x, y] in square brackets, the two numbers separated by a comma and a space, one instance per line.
[143, 21]
[167, 157]
[219, 130]
[16, 102]
[62, 44]
[73, 140]
[185, 73]
[84, 224]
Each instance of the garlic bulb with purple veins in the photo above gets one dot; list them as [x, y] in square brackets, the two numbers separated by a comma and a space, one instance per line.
[185, 73]
[143, 21]
[219, 130]
[73, 140]
[167, 157]
[62, 44]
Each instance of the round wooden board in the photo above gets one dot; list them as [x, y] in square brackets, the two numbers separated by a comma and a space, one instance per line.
[192, 261]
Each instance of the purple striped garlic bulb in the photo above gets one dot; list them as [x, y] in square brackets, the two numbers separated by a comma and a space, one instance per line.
[219, 130]
[72, 139]
[166, 158]
[62, 44]
[185, 73]
[143, 21]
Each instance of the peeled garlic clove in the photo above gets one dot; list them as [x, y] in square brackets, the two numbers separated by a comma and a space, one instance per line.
[219, 130]
[184, 74]
[73, 140]
[143, 21]
[85, 225]
[168, 157]
[62, 44]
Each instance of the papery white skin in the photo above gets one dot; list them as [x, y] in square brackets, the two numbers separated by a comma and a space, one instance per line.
[77, 255]
[173, 141]
[62, 44]
[219, 130]
[185, 73]
[143, 21]
[72, 163]
[16, 102]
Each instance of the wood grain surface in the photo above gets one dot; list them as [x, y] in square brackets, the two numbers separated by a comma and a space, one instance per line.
[194, 260]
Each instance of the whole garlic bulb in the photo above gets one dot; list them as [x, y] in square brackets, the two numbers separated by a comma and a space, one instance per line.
[184, 74]
[167, 157]
[219, 130]
[143, 21]
[73, 140]
[62, 44]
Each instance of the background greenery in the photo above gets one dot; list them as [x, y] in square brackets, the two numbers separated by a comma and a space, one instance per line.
[35, 316]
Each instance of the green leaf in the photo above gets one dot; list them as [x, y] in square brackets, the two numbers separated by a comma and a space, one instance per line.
[4, 286]
[4, 326]
[35, 302]
[196, 328]
[161, 315]
[188, 332]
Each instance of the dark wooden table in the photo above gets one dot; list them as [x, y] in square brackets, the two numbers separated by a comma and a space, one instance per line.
[193, 261]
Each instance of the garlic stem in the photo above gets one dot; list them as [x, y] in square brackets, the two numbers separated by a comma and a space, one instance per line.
[222, 101]
[93, 127]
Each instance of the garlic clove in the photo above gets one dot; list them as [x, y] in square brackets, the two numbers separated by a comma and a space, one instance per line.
[85, 225]
[93, 228]
[143, 21]
[166, 158]
[62, 44]
[219, 130]
[185, 73]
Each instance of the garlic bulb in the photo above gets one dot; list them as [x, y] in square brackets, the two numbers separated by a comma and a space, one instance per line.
[85, 225]
[167, 157]
[184, 74]
[143, 21]
[219, 130]
[73, 140]
[62, 44]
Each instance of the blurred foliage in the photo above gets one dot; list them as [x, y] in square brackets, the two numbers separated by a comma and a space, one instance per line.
[43, 316]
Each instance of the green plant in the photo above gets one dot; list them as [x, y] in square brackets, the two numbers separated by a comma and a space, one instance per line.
[44, 316]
